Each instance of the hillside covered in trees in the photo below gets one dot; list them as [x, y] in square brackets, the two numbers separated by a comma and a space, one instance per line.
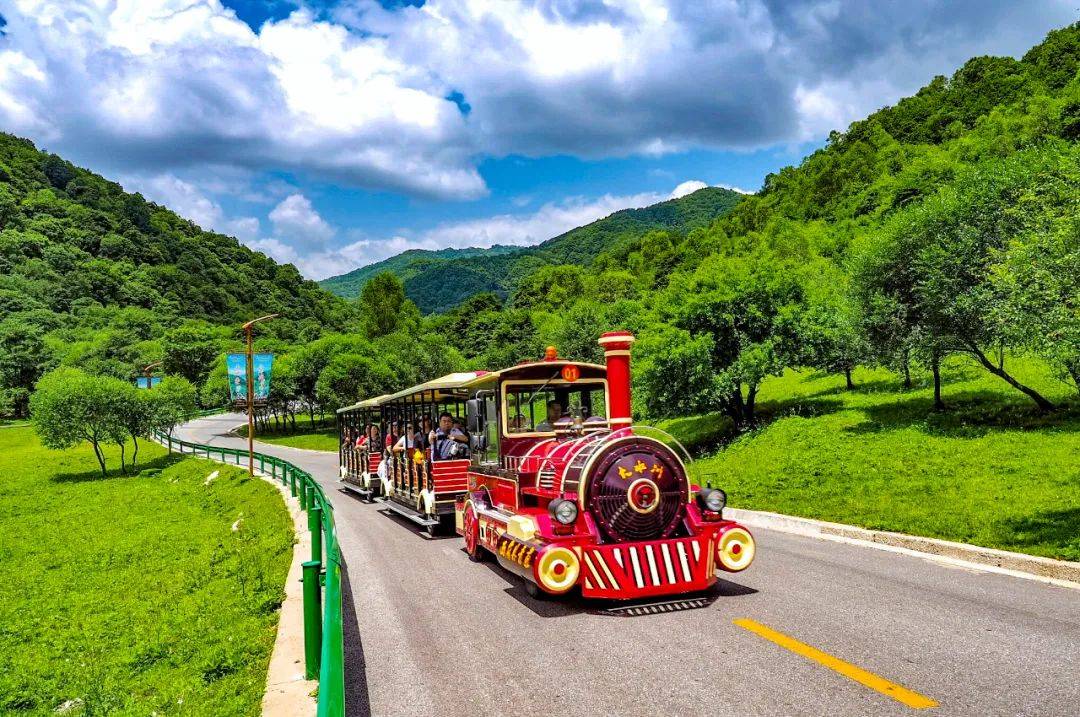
[944, 225]
[93, 276]
[440, 280]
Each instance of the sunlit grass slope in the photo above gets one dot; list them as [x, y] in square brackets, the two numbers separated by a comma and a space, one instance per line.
[988, 470]
[135, 595]
[322, 435]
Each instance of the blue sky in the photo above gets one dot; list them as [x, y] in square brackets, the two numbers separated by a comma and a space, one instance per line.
[335, 134]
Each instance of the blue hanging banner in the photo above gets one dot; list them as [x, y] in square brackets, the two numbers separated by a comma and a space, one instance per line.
[262, 366]
[144, 382]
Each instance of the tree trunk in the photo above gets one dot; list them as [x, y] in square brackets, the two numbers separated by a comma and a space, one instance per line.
[123, 464]
[735, 407]
[1031, 393]
[135, 453]
[907, 370]
[1074, 371]
[751, 397]
[847, 377]
[935, 366]
[100, 457]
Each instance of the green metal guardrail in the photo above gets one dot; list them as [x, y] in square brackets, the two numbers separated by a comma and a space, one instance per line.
[323, 638]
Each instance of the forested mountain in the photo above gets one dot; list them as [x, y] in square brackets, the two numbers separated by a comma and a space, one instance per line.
[91, 275]
[71, 239]
[405, 266]
[437, 281]
[946, 224]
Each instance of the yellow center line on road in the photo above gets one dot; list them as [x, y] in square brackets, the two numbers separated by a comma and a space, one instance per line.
[853, 672]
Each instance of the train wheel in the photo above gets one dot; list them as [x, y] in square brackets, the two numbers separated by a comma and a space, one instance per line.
[471, 528]
[534, 590]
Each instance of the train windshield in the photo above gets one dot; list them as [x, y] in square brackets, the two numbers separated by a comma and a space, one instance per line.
[534, 408]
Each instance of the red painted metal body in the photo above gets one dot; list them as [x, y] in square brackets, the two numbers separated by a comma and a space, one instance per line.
[639, 531]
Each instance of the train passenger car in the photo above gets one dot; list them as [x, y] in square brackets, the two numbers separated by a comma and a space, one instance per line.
[566, 492]
[417, 483]
[361, 447]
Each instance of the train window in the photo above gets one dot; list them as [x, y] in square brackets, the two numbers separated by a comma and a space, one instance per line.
[527, 405]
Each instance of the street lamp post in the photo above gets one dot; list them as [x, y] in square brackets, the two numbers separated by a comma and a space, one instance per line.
[148, 374]
[251, 390]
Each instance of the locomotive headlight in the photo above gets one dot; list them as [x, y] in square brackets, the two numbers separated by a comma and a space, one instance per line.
[712, 499]
[564, 511]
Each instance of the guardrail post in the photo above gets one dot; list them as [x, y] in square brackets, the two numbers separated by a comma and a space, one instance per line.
[312, 619]
[303, 493]
[314, 524]
[292, 479]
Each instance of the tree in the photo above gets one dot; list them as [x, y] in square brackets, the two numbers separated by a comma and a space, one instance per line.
[831, 335]
[383, 306]
[24, 357]
[750, 306]
[674, 374]
[170, 403]
[938, 264]
[69, 407]
[550, 288]
[351, 377]
[190, 351]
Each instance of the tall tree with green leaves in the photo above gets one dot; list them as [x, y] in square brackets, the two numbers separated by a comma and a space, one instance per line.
[69, 407]
[383, 306]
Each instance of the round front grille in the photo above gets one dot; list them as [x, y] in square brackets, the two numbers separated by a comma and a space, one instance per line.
[637, 491]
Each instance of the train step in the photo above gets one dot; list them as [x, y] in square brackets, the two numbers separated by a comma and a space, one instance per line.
[407, 512]
[362, 492]
[655, 608]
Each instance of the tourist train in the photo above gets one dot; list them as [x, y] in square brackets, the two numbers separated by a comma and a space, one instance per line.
[541, 466]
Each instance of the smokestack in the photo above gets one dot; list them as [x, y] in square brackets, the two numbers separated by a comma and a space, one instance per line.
[616, 345]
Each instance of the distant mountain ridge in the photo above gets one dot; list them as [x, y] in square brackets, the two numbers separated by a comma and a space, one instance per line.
[439, 280]
[404, 266]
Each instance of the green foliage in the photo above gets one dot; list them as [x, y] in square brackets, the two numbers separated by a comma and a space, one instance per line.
[349, 376]
[189, 351]
[143, 600]
[70, 407]
[383, 306]
[954, 266]
[24, 357]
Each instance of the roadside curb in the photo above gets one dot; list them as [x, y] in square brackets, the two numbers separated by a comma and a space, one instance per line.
[288, 692]
[1056, 572]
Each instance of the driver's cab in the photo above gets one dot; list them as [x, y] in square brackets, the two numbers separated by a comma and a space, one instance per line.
[518, 408]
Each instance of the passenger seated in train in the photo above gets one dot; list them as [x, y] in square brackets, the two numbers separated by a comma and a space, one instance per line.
[450, 442]
[407, 440]
[554, 413]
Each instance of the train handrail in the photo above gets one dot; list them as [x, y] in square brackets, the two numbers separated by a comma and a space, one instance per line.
[332, 651]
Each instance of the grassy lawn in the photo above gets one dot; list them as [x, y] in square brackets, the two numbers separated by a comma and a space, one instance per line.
[319, 436]
[989, 470]
[135, 595]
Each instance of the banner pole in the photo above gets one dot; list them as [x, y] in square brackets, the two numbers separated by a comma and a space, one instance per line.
[250, 404]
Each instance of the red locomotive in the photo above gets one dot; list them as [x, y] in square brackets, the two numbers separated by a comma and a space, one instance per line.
[562, 488]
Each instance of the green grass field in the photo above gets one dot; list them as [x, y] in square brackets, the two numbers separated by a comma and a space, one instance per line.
[320, 436]
[135, 595]
[989, 470]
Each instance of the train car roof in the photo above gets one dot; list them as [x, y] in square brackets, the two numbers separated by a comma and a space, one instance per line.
[539, 370]
[366, 403]
[442, 385]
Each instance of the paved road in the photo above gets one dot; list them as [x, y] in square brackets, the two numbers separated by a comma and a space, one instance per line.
[429, 633]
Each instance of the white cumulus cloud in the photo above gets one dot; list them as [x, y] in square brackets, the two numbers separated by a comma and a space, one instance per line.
[358, 94]
[523, 229]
